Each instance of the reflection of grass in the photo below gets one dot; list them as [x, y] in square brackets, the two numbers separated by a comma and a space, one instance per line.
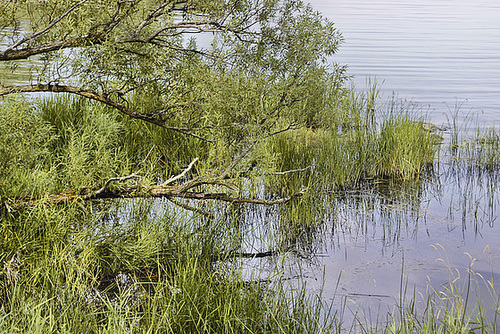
[448, 309]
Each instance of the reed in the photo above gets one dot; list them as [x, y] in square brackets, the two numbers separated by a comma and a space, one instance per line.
[398, 147]
[149, 266]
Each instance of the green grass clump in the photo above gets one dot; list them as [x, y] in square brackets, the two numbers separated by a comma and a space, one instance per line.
[404, 149]
[26, 165]
[400, 150]
[68, 272]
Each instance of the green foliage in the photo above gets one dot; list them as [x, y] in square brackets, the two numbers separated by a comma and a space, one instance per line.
[87, 150]
[66, 271]
[399, 148]
[267, 61]
[261, 101]
[26, 165]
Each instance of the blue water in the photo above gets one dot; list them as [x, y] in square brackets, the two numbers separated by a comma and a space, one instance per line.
[438, 53]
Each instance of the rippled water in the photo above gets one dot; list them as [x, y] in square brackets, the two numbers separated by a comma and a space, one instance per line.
[444, 55]
[380, 240]
[440, 54]
[435, 52]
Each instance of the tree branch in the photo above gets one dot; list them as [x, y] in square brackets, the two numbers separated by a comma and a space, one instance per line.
[293, 171]
[5, 90]
[191, 208]
[155, 191]
[153, 14]
[93, 38]
[113, 179]
[25, 53]
[175, 178]
[41, 32]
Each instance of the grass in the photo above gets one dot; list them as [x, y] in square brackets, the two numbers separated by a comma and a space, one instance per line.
[148, 275]
[149, 266]
[450, 308]
[394, 147]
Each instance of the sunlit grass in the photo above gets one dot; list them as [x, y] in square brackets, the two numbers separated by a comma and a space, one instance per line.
[148, 266]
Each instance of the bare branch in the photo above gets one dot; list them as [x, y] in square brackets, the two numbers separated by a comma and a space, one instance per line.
[146, 158]
[156, 191]
[191, 208]
[293, 171]
[114, 179]
[41, 32]
[226, 198]
[181, 175]
[257, 254]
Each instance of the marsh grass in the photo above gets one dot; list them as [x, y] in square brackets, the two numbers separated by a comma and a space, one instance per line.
[397, 148]
[454, 307]
[148, 266]
[145, 276]
[25, 158]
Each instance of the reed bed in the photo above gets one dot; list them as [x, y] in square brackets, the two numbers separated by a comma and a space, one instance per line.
[148, 266]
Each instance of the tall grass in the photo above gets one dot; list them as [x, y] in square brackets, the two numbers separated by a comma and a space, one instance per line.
[151, 274]
[148, 266]
[26, 165]
[398, 148]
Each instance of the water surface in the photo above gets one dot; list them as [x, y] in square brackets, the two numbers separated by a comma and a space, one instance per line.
[435, 52]
[445, 56]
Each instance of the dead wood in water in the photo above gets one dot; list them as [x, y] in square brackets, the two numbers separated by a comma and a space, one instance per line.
[164, 190]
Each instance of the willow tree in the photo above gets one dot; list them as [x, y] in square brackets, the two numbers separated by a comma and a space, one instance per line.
[234, 71]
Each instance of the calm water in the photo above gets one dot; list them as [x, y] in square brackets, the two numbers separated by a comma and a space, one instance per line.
[435, 52]
[439, 54]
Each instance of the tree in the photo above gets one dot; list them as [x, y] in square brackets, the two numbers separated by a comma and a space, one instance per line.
[231, 70]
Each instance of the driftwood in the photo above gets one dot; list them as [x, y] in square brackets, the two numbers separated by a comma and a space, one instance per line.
[164, 190]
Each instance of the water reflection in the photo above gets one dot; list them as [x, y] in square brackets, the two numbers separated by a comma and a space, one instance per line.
[424, 233]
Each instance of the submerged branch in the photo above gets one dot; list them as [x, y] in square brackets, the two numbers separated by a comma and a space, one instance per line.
[257, 255]
[191, 208]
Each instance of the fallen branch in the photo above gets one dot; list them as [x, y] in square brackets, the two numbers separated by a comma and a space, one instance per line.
[113, 179]
[191, 208]
[256, 255]
[141, 191]
[293, 171]
[181, 175]
[253, 255]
